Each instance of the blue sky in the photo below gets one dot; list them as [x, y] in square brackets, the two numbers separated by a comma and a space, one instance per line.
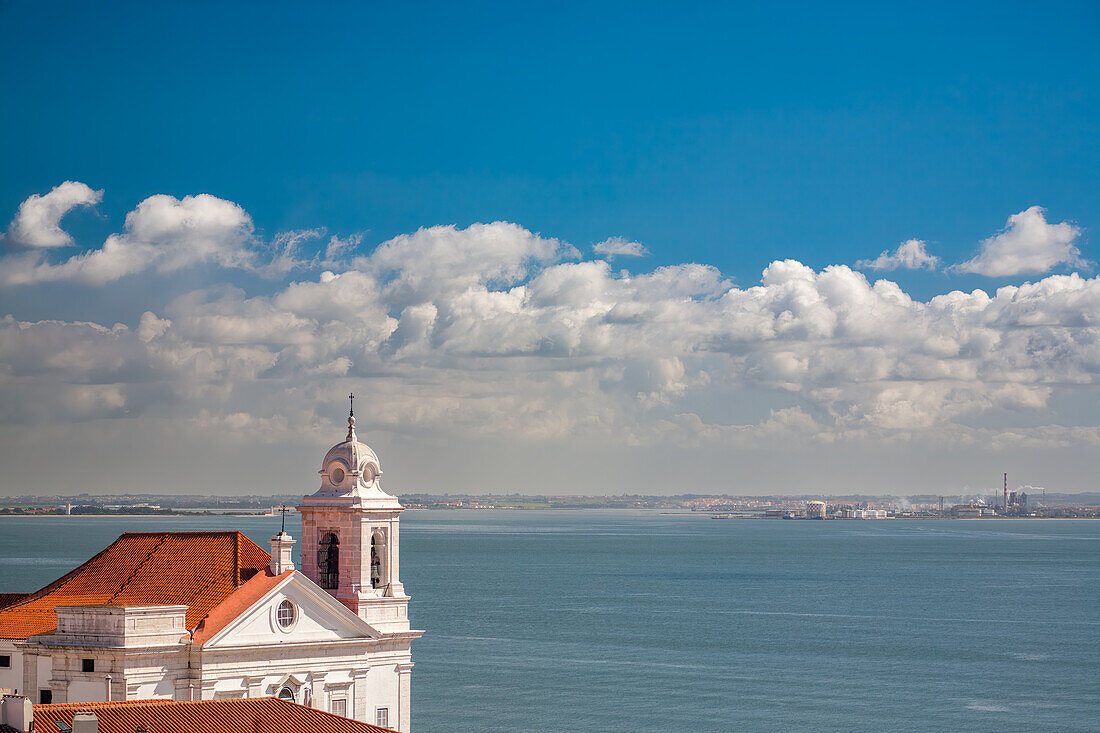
[725, 135]
[730, 135]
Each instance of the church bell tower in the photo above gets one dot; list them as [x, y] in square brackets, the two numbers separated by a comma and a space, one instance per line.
[350, 535]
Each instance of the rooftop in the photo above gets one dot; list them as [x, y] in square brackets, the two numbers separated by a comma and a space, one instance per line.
[197, 569]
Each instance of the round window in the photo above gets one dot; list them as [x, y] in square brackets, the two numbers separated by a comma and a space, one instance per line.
[286, 614]
[286, 694]
[337, 475]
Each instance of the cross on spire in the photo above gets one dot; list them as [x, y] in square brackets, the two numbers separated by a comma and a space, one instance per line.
[351, 419]
[283, 510]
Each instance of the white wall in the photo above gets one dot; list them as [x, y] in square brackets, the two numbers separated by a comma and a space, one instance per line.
[12, 676]
[45, 674]
[87, 691]
[377, 690]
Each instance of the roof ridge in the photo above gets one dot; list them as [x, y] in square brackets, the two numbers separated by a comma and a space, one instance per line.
[136, 570]
[182, 531]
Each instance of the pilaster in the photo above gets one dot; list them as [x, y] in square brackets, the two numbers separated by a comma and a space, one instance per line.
[359, 702]
[30, 676]
[404, 697]
[317, 691]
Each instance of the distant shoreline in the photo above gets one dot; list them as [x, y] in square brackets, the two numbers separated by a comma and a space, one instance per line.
[698, 515]
[134, 516]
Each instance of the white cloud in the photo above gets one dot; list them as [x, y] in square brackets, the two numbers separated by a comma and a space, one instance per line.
[910, 255]
[620, 247]
[1027, 245]
[441, 261]
[569, 348]
[163, 232]
[285, 251]
[496, 332]
[37, 223]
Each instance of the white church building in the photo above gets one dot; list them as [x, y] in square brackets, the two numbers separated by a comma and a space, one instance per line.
[211, 615]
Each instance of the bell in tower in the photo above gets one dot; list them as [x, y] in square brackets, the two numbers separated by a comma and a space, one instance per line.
[350, 535]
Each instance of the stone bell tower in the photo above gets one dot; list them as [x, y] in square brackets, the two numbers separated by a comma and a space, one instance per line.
[350, 535]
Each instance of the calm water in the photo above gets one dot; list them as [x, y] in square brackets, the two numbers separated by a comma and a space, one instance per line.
[623, 621]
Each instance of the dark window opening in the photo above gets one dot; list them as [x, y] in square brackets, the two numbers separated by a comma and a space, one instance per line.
[5, 660]
[328, 562]
[375, 563]
[87, 665]
[45, 697]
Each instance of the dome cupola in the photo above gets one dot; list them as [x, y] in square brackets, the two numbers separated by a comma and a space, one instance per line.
[351, 470]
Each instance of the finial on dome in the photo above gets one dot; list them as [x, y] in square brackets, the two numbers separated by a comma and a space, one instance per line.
[351, 419]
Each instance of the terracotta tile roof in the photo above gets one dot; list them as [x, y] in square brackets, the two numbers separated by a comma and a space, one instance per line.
[236, 603]
[195, 569]
[252, 715]
[6, 599]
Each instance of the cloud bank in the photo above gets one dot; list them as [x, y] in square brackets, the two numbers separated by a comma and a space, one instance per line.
[496, 331]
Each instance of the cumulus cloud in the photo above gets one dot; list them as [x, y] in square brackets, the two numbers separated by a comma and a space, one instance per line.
[620, 247]
[534, 347]
[493, 330]
[416, 266]
[1027, 245]
[163, 232]
[37, 223]
[910, 255]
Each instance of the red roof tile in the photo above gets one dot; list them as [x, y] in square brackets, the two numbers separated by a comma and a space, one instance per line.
[252, 715]
[195, 569]
[7, 599]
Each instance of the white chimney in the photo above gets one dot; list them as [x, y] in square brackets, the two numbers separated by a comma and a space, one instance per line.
[85, 723]
[17, 712]
[281, 546]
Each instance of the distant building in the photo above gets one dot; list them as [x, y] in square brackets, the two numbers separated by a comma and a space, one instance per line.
[973, 511]
[865, 514]
[815, 509]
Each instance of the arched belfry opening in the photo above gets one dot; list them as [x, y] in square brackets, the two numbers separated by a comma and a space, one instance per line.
[377, 547]
[328, 562]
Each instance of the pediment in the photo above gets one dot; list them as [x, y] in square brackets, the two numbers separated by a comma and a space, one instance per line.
[318, 617]
[289, 679]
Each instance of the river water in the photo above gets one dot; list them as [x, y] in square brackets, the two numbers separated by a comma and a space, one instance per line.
[613, 620]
